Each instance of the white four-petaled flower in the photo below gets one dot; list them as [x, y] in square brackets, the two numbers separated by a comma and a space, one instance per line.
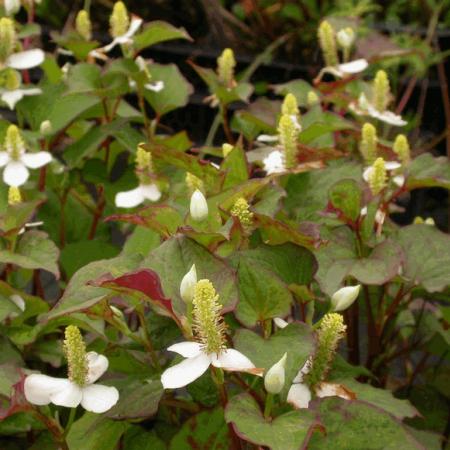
[41, 389]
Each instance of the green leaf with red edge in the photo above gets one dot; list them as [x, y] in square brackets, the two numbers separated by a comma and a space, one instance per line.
[190, 163]
[427, 171]
[204, 431]
[345, 197]
[143, 281]
[358, 425]
[163, 219]
[79, 295]
[156, 32]
[288, 431]
[174, 258]
[241, 92]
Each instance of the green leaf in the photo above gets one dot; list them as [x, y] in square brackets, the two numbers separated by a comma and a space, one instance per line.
[80, 295]
[78, 254]
[235, 167]
[288, 431]
[95, 432]
[345, 196]
[157, 32]
[174, 258]
[262, 295]
[296, 340]
[35, 251]
[427, 256]
[204, 431]
[299, 88]
[138, 439]
[427, 171]
[357, 425]
[175, 93]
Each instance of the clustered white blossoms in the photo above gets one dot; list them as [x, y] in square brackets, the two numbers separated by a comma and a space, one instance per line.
[17, 161]
[209, 347]
[79, 388]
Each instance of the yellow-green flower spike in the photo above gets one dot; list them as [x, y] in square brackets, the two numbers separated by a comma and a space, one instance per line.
[14, 144]
[377, 176]
[8, 38]
[208, 322]
[143, 159]
[75, 351]
[226, 149]
[381, 91]
[225, 67]
[241, 210]
[327, 41]
[83, 25]
[290, 105]
[331, 331]
[193, 183]
[312, 99]
[287, 133]
[368, 144]
[401, 148]
[13, 80]
[119, 20]
[14, 196]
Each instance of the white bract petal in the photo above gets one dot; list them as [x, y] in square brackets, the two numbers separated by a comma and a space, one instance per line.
[129, 199]
[38, 388]
[15, 174]
[11, 7]
[356, 66]
[98, 398]
[198, 206]
[274, 163]
[36, 160]
[151, 192]
[187, 285]
[392, 165]
[232, 360]
[157, 86]
[275, 376]
[280, 323]
[26, 59]
[97, 366]
[185, 372]
[11, 98]
[344, 297]
[69, 396]
[126, 38]
[186, 349]
[4, 158]
[18, 301]
[299, 395]
[267, 138]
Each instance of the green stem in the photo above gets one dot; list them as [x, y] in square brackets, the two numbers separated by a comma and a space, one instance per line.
[70, 420]
[268, 405]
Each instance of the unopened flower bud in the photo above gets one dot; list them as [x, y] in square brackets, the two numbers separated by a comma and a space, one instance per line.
[187, 286]
[14, 196]
[193, 183]
[8, 38]
[290, 105]
[345, 37]
[287, 132]
[377, 177]
[83, 25]
[368, 144]
[198, 206]
[226, 149]
[312, 99]
[117, 312]
[225, 67]
[381, 91]
[344, 297]
[275, 376]
[46, 128]
[119, 20]
[327, 41]
[401, 148]
[11, 7]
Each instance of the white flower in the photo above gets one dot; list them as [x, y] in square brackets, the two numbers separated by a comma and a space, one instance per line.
[198, 206]
[389, 165]
[344, 297]
[42, 389]
[345, 37]
[342, 70]
[197, 362]
[365, 108]
[187, 286]
[11, 97]
[275, 376]
[274, 162]
[130, 199]
[24, 60]
[126, 38]
[16, 169]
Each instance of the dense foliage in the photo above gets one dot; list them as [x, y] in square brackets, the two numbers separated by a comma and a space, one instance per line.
[250, 293]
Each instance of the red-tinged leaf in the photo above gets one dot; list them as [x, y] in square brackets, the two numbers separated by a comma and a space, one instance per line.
[145, 281]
